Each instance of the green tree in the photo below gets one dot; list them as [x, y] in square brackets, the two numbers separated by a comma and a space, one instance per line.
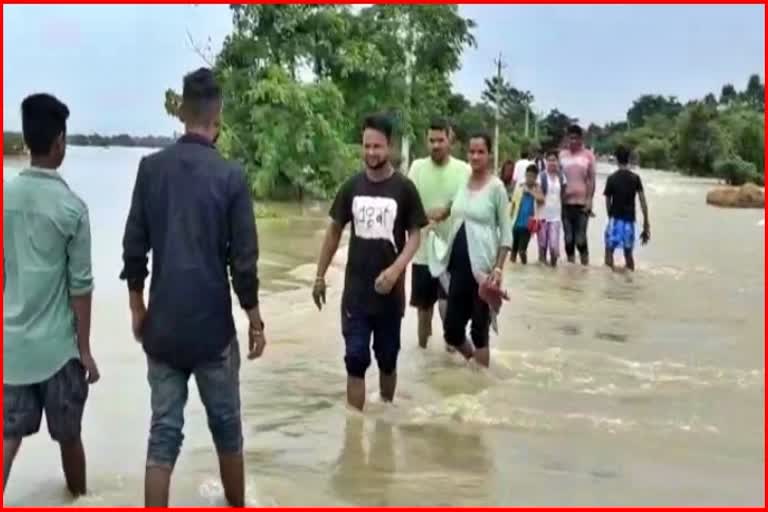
[648, 105]
[728, 94]
[700, 140]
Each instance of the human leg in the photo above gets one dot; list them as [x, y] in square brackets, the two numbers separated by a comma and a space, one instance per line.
[169, 395]
[218, 383]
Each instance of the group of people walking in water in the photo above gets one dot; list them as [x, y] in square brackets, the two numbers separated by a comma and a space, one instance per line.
[455, 223]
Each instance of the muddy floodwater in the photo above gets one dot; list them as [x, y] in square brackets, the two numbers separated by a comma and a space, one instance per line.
[605, 389]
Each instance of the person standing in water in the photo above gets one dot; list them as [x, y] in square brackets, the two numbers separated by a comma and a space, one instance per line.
[621, 188]
[193, 210]
[47, 295]
[521, 167]
[386, 215]
[480, 240]
[437, 179]
[525, 201]
[578, 165]
[553, 185]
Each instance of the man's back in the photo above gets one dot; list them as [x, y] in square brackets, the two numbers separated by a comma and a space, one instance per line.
[622, 187]
[46, 253]
[193, 210]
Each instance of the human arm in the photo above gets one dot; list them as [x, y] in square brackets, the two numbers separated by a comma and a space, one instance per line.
[504, 222]
[591, 182]
[80, 279]
[341, 215]
[537, 194]
[327, 252]
[415, 219]
[135, 249]
[646, 234]
[243, 259]
[608, 193]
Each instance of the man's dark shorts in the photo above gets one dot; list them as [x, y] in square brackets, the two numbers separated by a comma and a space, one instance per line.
[425, 289]
[358, 328]
[62, 397]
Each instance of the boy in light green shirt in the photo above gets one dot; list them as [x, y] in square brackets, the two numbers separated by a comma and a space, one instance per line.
[437, 178]
[47, 362]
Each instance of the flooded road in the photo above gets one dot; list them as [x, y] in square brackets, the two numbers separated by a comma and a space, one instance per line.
[605, 389]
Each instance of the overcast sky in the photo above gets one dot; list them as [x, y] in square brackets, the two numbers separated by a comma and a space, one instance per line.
[112, 63]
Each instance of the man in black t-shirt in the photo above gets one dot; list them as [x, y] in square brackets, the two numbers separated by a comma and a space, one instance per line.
[386, 215]
[620, 191]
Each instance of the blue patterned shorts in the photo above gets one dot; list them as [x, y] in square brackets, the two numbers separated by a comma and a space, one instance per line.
[619, 234]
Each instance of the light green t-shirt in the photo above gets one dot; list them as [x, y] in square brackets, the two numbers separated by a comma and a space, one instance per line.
[485, 216]
[437, 186]
[47, 259]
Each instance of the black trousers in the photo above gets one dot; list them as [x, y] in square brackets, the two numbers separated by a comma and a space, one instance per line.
[575, 221]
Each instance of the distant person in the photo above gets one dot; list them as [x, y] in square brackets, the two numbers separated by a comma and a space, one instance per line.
[525, 202]
[507, 174]
[540, 161]
[47, 294]
[193, 210]
[520, 168]
[473, 259]
[578, 165]
[437, 179]
[621, 188]
[553, 184]
[386, 215]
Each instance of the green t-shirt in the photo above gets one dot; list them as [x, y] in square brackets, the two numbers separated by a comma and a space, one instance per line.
[437, 186]
[47, 259]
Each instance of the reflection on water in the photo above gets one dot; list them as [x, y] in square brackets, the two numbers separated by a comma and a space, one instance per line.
[605, 388]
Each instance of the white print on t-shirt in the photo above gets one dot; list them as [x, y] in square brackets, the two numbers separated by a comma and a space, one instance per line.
[374, 218]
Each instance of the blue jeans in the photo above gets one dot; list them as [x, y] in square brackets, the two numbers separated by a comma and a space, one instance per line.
[358, 327]
[218, 383]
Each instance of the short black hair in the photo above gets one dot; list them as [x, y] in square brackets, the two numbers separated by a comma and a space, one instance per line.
[554, 153]
[532, 169]
[441, 124]
[43, 118]
[622, 154]
[525, 154]
[201, 96]
[575, 129]
[486, 138]
[379, 122]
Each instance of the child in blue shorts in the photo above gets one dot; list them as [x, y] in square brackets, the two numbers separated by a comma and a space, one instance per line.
[620, 191]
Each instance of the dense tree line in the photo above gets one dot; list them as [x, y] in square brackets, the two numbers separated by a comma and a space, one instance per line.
[298, 80]
[14, 144]
[717, 137]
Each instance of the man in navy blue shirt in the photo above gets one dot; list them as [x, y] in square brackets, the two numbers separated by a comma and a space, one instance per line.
[192, 209]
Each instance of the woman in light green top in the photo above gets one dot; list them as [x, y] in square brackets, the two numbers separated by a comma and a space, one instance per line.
[479, 241]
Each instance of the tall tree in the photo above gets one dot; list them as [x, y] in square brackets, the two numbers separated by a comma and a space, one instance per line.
[649, 104]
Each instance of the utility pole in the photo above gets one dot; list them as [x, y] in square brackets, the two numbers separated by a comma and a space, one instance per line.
[527, 114]
[497, 93]
[406, 35]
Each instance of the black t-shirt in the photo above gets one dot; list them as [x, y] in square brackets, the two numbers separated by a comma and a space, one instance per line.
[381, 213]
[622, 187]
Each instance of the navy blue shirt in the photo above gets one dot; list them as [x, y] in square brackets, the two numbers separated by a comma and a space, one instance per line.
[193, 210]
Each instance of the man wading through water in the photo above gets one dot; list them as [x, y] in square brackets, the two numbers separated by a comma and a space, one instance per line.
[578, 166]
[47, 291]
[386, 215]
[193, 210]
[437, 178]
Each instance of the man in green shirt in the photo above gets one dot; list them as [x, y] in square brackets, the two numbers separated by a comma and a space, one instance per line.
[47, 361]
[437, 178]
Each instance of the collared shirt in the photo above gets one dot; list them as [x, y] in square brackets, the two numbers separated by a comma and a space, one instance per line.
[47, 259]
[193, 210]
